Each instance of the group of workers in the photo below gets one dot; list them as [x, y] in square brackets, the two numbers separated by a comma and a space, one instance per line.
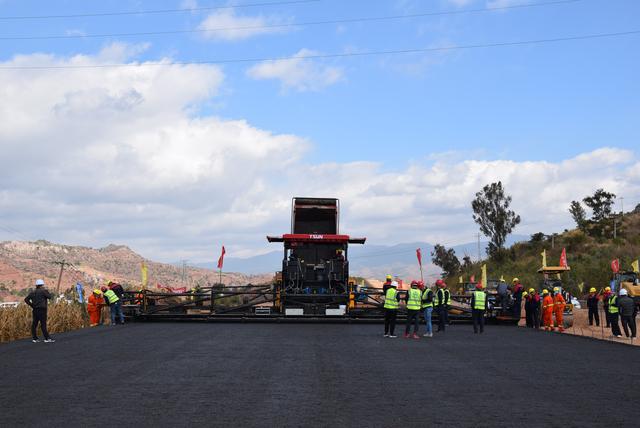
[420, 299]
[109, 295]
[541, 311]
[616, 307]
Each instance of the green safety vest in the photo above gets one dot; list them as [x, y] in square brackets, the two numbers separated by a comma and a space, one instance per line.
[480, 297]
[444, 300]
[613, 309]
[424, 296]
[390, 300]
[111, 296]
[413, 303]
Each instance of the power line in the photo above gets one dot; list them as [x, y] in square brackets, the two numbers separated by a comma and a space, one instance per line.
[288, 25]
[157, 11]
[322, 56]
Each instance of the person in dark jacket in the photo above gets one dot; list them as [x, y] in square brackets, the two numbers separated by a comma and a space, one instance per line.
[441, 304]
[517, 291]
[117, 288]
[528, 313]
[628, 312]
[38, 300]
[592, 305]
[605, 305]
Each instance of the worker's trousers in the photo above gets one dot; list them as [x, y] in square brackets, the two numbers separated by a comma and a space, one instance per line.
[528, 313]
[607, 315]
[478, 320]
[39, 317]
[443, 317]
[593, 314]
[412, 317]
[427, 319]
[547, 319]
[615, 327]
[629, 323]
[536, 318]
[559, 319]
[116, 311]
[390, 316]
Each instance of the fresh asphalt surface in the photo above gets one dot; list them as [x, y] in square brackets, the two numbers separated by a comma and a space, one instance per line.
[186, 374]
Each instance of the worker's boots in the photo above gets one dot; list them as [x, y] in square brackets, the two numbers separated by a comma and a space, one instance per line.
[415, 336]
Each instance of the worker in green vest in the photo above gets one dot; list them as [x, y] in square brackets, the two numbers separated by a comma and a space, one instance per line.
[414, 304]
[427, 308]
[614, 313]
[391, 304]
[441, 304]
[479, 305]
[115, 305]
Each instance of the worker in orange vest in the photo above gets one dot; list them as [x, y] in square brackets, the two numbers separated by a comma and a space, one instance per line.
[558, 307]
[94, 307]
[547, 310]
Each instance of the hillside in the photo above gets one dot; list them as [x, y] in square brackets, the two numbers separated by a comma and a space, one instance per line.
[21, 263]
[589, 257]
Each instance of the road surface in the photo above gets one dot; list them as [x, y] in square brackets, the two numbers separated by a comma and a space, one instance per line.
[186, 374]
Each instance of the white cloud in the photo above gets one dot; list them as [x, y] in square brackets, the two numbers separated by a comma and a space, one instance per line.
[225, 25]
[460, 3]
[298, 73]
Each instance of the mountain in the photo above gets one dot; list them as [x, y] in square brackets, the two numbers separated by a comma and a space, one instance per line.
[21, 263]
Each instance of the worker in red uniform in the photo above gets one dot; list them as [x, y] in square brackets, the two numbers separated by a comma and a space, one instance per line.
[547, 310]
[605, 304]
[94, 307]
[558, 307]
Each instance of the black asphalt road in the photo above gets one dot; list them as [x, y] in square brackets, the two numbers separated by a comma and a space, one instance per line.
[170, 374]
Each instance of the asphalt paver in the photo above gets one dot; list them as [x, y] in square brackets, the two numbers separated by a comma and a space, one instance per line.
[213, 374]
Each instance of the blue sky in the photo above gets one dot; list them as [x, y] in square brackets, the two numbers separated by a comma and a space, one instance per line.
[385, 129]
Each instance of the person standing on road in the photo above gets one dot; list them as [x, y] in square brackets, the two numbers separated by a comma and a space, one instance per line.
[592, 305]
[613, 315]
[547, 310]
[527, 309]
[605, 304]
[414, 303]
[558, 308]
[628, 312]
[427, 307]
[94, 307]
[115, 305]
[517, 291]
[479, 305]
[387, 284]
[38, 300]
[391, 303]
[442, 304]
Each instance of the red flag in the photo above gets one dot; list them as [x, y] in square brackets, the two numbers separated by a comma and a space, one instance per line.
[221, 259]
[563, 258]
[615, 266]
[472, 279]
[419, 254]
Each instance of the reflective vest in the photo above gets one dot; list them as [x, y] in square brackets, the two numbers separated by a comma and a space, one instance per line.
[111, 296]
[479, 300]
[442, 298]
[425, 296]
[390, 299]
[413, 303]
[613, 309]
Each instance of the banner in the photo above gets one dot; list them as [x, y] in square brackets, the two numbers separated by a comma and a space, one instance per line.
[472, 279]
[544, 258]
[636, 266]
[502, 278]
[563, 258]
[419, 255]
[221, 259]
[80, 292]
[484, 275]
[615, 265]
[144, 273]
[460, 280]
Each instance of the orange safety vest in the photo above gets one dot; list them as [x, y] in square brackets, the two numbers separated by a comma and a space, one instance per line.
[559, 302]
[547, 303]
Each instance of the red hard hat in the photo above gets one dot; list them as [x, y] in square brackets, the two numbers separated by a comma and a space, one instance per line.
[440, 283]
[479, 286]
[414, 283]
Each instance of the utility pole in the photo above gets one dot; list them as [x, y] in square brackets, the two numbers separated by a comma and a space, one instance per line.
[615, 228]
[478, 235]
[184, 271]
[62, 264]
[621, 206]
[553, 241]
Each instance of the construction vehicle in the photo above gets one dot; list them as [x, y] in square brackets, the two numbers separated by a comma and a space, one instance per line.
[551, 278]
[629, 281]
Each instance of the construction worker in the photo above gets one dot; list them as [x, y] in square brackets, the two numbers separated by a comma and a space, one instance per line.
[115, 305]
[535, 308]
[605, 304]
[558, 307]
[427, 308]
[592, 305]
[517, 291]
[38, 300]
[387, 284]
[391, 304]
[94, 307]
[628, 312]
[479, 305]
[414, 304]
[614, 312]
[441, 304]
[527, 309]
[547, 310]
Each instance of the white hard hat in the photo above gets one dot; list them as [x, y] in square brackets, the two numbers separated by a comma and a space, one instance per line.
[39, 282]
[394, 283]
[623, 292]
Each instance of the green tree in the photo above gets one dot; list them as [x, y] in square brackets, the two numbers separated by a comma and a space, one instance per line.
[600, 203]
[491, 211]
[446, 260]
[579, 214]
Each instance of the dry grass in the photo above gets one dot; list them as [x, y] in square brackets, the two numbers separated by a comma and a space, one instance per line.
[15, 323]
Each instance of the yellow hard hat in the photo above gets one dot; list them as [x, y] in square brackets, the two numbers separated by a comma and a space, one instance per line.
[556, 289]
[516, 280]
[524, 293]
[531, 291]
[96, 291]
[607, 289]
[592, 290]
[545, 291]
[389, 277]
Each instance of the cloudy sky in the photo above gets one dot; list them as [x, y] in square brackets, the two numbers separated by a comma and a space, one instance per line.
[173, 131]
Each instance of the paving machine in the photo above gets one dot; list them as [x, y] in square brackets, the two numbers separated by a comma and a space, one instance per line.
[629, 281]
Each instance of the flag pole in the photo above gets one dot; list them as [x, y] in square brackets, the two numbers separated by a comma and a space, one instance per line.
[220, 271]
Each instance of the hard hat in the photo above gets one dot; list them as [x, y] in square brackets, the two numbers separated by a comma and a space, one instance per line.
[420, 284]
[531, 291]
[607, 289]
[414, 283]
[96, 291]
[440, 283]
[556, 289]
[516, 280]
[478, 286]
[524, 293]
[623, 292]
[39, 282]
[592, 290]
[389, 277]
[394, 283]
[545, 291]
[103, 288]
